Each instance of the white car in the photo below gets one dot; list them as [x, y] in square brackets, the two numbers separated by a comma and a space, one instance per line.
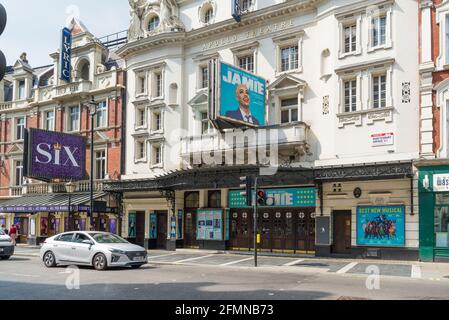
[98, 249]
[6, 246]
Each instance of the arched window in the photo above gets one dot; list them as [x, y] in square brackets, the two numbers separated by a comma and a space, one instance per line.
[192, 200]
[153, 24]
[84, 70]
[214, 199]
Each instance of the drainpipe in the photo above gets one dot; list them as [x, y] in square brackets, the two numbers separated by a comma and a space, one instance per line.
[412, 213]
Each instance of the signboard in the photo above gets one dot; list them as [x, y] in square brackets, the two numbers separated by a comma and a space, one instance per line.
[210, 225]
[290, 197]
[323, 234]
[55, 155]
[382, 139]
[241, 97]
[441, 182]
[65, 55]
[381, 226]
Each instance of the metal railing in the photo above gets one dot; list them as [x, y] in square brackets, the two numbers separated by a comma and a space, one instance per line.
[60, 187]
[114, 40]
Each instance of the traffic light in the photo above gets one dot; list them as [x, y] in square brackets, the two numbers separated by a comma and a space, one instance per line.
[261, 198]
[247, 184]
[3, 19]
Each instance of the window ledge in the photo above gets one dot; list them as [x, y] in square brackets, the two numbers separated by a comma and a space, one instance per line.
[141, 128]
[350, 54]
[138, 161]
[371, 115]
[157, 166]
[382, 47]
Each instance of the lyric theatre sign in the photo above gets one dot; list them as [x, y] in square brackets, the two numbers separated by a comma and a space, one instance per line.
[272, 28]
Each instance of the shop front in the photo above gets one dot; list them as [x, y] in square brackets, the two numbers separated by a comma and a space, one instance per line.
[376, 217]
[287, 225]
[434, 212]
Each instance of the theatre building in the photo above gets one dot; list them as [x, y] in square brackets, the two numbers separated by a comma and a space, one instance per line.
[38, 98]
[333, 95]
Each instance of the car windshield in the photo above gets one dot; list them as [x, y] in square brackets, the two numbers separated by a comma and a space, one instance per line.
[107, 238]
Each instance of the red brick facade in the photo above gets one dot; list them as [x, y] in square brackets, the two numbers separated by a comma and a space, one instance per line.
[113, 132]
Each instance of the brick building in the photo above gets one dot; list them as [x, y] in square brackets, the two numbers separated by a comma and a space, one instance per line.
[37, 98]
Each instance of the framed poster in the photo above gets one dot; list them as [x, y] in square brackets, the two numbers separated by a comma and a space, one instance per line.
[180, 224]
[153, 226]
[381, 226]
[83, 224]
[44, 226]
[442, 240]
[66, 224]
[173, 227]
[210, 225]
[113, 226]
[132, 225]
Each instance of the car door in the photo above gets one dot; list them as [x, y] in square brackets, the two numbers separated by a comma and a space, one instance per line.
[61, 247]
[81, 252]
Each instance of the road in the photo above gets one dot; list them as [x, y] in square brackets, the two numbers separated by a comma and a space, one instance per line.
[217, 277]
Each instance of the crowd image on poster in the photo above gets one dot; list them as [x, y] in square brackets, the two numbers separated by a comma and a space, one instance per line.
[381, 226]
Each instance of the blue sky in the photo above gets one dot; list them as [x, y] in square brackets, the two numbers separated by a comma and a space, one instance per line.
[34, 26]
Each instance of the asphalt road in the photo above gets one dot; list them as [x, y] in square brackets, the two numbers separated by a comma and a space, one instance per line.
[26, 278]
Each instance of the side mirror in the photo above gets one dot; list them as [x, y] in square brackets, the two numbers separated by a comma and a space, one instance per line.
[88, 242]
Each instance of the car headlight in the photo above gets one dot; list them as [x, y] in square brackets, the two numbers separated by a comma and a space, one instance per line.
[117, 251]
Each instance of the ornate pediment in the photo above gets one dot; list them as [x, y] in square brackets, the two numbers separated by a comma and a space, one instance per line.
[15, 149]
[287, 81]
[200, 98]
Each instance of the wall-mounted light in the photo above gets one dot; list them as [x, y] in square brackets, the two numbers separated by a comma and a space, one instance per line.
[426, 182]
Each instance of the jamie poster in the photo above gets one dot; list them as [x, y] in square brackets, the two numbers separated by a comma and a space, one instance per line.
[242, 96]
[381, 226]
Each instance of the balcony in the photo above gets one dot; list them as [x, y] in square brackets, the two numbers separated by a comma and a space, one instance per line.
[294, 136]
[45, 188]
[6, 106]
[71, 89]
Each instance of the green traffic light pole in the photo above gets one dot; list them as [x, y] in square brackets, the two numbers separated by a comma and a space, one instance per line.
[256, 231]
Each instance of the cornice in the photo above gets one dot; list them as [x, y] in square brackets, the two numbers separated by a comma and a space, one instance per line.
[285, 8]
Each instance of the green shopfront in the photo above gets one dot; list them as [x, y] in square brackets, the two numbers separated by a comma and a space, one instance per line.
[434, 213]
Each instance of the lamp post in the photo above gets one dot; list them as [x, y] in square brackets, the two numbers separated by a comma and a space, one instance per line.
[92, 105]
[70, 188]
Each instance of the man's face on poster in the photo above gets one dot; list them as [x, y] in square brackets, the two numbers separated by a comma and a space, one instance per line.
[242, 95]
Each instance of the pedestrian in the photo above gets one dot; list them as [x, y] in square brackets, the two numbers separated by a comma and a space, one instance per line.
[4, 229]
[13, 234]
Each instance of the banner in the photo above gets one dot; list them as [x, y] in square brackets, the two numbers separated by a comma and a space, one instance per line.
[153, 226]
[132, 225]
[381, 226]
[242, 96]
[55, 155]
[289, 197]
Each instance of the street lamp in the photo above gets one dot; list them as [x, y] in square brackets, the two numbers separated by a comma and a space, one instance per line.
[70, 188]
[92, 105]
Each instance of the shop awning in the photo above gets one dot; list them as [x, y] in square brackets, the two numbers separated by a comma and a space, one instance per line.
[51, 203]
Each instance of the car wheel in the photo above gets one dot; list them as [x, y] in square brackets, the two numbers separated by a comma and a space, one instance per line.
[6, 257]
[49, 260]
[136, 267]
[100, 262]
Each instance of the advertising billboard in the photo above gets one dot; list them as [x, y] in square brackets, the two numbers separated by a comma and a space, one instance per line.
[242, 96]
[381, 226]
[55, 155]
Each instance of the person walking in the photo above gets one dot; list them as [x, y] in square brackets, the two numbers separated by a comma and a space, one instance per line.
[13, 234]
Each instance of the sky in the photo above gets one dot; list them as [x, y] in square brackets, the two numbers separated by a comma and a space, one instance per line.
[34, 26]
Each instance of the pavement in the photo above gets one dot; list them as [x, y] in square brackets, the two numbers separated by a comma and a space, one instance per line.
[438, 272]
